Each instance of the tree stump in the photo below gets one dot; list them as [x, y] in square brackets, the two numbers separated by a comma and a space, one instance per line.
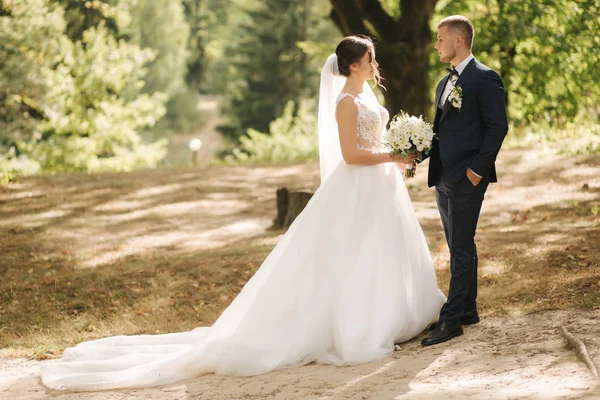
[282, 206]
[289, 206]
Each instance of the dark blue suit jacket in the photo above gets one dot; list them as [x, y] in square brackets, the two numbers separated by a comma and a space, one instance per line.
[472, 136]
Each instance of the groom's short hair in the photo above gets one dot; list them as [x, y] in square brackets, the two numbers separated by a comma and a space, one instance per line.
[462, 24]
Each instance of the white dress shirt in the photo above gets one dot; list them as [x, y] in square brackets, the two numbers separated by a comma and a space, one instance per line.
[452, 81]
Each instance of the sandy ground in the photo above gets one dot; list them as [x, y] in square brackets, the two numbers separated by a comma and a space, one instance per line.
[504, 357]
[521, 357]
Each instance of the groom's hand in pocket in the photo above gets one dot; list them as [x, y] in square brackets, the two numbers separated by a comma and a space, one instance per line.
[473, 177]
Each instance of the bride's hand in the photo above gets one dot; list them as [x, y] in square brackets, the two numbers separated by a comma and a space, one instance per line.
[406, 161]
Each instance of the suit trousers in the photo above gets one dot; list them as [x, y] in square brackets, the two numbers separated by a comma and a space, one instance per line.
[459, 204]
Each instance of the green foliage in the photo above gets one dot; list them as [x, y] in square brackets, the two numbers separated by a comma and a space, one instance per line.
[92, 125]
[392, 7]
[291, 138]
[195, 14]
[580, 136]
[82, 15]
[546, 52]
[204, 17]
[182, 113]
[216, 36]
[317, 50]
[322, 39]
[264, 66]
[30, 41]
[161, 26]
[13, 166]
[71, 105]
[85, 85]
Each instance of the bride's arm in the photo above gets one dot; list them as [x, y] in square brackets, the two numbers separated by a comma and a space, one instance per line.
[347, 115]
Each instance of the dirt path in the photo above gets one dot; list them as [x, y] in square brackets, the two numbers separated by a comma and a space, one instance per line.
[188, 234]
[501, 358]
[179, 154]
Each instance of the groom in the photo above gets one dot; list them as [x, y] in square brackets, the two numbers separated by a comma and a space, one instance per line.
[470, 121]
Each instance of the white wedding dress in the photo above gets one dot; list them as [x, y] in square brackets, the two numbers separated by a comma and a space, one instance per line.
[352, 275]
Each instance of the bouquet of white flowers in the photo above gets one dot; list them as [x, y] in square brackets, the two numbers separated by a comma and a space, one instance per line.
[409, 134]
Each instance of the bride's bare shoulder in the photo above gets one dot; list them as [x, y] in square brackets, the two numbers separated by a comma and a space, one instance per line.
[346, 107]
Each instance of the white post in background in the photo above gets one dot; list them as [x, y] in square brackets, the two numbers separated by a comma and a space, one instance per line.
[195, 146]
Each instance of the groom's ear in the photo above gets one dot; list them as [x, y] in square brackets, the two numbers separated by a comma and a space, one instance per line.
[459, 41]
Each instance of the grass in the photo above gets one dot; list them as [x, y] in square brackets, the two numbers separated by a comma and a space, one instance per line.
[55, 304]
[83, 257]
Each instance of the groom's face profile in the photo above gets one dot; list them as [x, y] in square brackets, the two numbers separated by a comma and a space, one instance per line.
[446, 44]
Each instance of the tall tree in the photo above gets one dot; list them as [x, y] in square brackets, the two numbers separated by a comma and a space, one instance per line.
[265, 67]
[196, 14]
[161, 26]
[403, 37]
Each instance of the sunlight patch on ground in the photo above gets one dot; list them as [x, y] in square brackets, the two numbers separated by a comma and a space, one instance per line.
[463, 373]
[121, 205]
[137, 245]
[225, 234]
[33, 220]
[11, 195]
[581, 171]
[337, 391]
[154, 191]
[183, 239]
[525, 198]
[186, 210]
[279, 172]
[218, 196]
[13, 371]
[427, 211]
[82, 193]
[491, 269]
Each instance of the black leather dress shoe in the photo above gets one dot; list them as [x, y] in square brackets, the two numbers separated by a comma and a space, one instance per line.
[443, 332]
[470, 318]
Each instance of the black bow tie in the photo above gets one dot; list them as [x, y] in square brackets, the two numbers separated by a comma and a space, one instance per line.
[453, 71]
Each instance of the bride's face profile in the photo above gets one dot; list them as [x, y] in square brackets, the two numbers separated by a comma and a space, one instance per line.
[356, 58]
[365, 68]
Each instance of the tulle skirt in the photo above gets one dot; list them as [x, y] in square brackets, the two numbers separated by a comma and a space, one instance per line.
[352, 276]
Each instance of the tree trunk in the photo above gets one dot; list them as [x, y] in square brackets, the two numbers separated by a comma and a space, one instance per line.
[403, 47]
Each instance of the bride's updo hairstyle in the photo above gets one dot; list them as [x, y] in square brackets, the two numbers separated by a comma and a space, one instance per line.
[351, 49]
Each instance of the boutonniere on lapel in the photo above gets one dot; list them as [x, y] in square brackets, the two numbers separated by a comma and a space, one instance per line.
[455, 97]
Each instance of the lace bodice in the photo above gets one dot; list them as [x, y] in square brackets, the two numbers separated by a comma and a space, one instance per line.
[371, 122]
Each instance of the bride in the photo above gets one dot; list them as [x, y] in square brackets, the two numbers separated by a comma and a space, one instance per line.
[351, 276]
